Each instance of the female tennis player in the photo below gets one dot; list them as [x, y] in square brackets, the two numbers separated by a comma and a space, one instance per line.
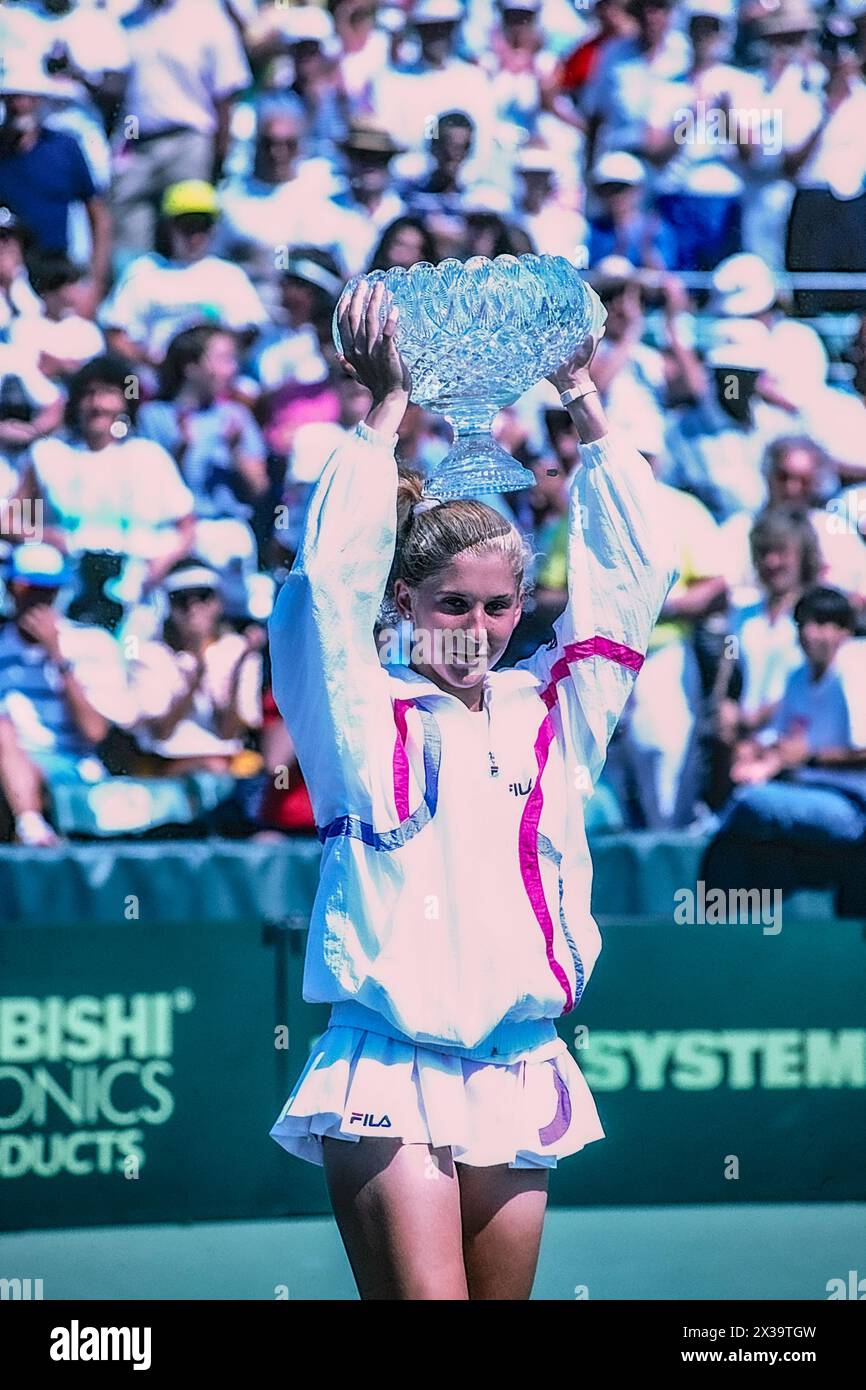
[452, 923]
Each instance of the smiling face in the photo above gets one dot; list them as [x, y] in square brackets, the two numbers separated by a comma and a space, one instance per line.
[462, 620]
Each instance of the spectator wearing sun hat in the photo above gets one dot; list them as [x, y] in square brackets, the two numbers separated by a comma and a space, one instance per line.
[187, 67]
[160, 294]
[62, 687]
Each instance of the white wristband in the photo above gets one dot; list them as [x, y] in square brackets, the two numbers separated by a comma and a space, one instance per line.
[568, 397]
[380, 437]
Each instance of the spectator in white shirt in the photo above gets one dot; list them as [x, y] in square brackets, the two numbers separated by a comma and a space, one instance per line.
[187, 67]
[369, 202]
[787, 560]
[409, 100]
[364, 49]
[160, 295]
[103, 488]
[619, 98]
[61, 337]
[552, 222]
[198, 689]
[282, 203]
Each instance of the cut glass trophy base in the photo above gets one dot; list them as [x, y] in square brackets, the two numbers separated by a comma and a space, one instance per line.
[477, 464]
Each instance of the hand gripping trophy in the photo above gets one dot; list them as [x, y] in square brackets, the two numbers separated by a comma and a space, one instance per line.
[475, 336]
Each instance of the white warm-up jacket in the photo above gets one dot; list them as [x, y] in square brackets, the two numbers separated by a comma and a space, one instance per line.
[453, 906]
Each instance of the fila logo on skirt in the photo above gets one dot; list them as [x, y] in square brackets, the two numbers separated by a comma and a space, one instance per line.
[369, 1121]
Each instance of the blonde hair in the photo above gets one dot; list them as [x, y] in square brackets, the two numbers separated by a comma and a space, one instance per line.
[428, 540]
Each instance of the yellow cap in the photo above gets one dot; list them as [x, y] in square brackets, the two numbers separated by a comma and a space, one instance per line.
[190, 195]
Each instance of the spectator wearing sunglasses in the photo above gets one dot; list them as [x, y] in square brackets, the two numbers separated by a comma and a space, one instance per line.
[197, 688]
[181, 283]
[283, 202]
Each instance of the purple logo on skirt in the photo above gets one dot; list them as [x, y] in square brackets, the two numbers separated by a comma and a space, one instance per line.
[369, 1122]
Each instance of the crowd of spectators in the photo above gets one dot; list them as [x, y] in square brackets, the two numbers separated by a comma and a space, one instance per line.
[186, 185]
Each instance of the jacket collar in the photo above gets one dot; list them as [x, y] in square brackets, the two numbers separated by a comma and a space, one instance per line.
[414, 685]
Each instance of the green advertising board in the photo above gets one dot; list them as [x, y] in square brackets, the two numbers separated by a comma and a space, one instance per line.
[143, 1061]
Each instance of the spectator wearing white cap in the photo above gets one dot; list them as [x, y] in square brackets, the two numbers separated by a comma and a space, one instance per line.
[184, 76]
[522, 72]
[159, 294]
[306, 34]
[716, 446]
[795, 379]
[62, 687]
[619, 98]
[408, 100]
[552, 222]
[198, 688]
[619, 225]
[696, 127]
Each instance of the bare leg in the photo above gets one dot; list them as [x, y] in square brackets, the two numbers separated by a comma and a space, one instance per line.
[398, 1211]
[20, 779]
[503, 1215]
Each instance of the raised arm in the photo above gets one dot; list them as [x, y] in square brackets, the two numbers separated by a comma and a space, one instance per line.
[620, 568]
[328, 682]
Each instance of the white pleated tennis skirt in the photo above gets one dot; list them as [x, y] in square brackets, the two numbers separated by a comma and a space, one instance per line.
[356, 1084]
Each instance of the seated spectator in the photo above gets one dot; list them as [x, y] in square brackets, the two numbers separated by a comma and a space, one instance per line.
[83, 53]
[62, 337]
[305, 34]
[293, 350]
[695, 129]
[798, 818]
[764, 649]
[403, 243]
[449, 183]
[799, 475]
[715, 449]
[18, 300]
[62, 686]
[105, 489]
[31, 406]
[370, 200]
[217, 446]
[554, 227]
[282, 203]
[364, 49]
[407, 99]
[654, 762]
[44, 175]
[611, 20]
[636, 381]
[619, 226]
[158, 295]
[197, 688]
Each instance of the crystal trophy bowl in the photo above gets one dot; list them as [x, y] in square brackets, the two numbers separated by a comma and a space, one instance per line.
[475, 336]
